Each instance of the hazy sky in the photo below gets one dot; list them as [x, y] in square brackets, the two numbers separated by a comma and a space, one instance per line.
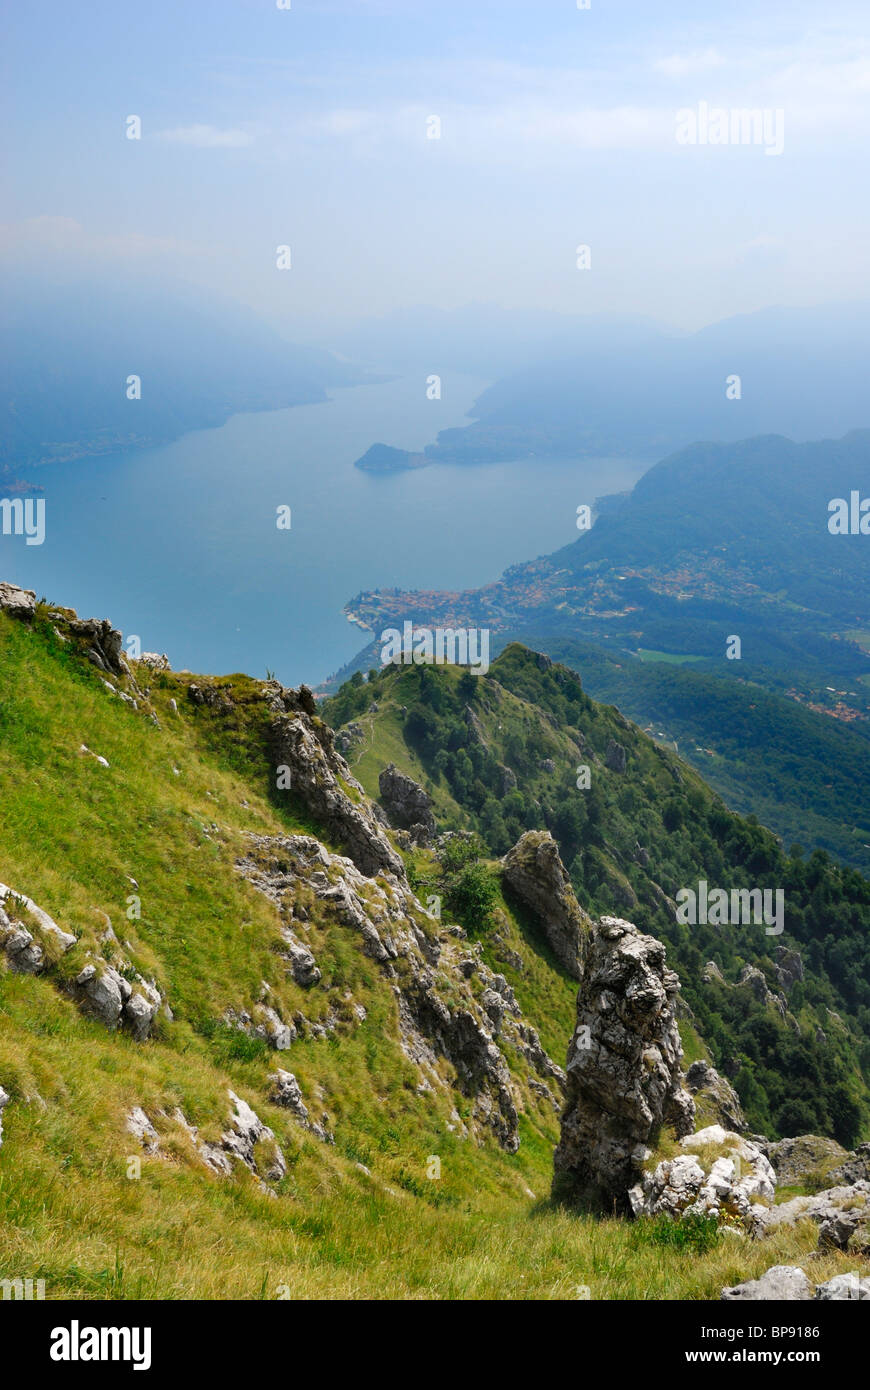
[308, 127]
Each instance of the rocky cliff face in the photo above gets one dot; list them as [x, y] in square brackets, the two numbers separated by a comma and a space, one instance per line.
[441, 1014]
[305, 746]
[624, 1067]
[534, 873]
[407, 805]
[716, 1095]
[392, 1027]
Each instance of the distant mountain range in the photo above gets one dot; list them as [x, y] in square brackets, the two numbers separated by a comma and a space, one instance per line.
[599, 385]
[70, 348]
[483, 339]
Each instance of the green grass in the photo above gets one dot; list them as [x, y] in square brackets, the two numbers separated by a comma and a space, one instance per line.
[385, 743]
[72, 836]
[74, 1218]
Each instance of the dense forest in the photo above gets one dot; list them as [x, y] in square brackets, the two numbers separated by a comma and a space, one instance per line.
[803, 773]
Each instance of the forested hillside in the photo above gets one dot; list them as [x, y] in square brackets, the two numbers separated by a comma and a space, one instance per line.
[502, 753]
[800, 771]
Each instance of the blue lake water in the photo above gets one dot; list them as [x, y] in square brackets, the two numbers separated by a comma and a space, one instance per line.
[179, 544]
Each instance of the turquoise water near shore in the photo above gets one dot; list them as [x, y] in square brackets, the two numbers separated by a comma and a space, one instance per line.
[179, 544]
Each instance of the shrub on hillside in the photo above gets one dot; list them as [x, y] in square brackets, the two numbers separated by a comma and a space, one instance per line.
[473, 896]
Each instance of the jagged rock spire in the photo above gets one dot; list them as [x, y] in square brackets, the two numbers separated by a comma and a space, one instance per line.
[624, 1076]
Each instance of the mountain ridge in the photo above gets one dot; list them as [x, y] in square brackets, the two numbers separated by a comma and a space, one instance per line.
[562, 392]
[196, 361]
[190, 836]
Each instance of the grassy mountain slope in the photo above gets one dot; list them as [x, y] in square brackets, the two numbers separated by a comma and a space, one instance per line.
[171, 812]
[500, 754]
[800, 771]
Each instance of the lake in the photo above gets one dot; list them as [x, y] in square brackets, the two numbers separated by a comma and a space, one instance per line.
[179, 544]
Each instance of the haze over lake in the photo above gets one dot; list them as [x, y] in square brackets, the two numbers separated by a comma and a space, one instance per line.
[179, 544]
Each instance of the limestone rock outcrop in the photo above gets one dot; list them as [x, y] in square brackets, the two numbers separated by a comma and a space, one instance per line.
[788, 967]
[624, 1080]
[263, 1022]
[719, 1174]
[844, 1286]
[247, 1141]
[99, 988]
[854, 1167]
[18, 603]
[534, 873]
[209, 696]
[110, 997]
[615, 756]
[751, 975]
[439, 1013]
[349, 736]
[461, 1036]
[407, 805]
[304, 745]
[796, 1158]
[287, 1093]
[141, 1128]
[825, 1207]
[790, 1284]
[103, 643]
[25, 950]
[303, 966]
[822, 1161]
[847, 1230]
[716, 1095]
[782, 1283]
[243, 1138]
